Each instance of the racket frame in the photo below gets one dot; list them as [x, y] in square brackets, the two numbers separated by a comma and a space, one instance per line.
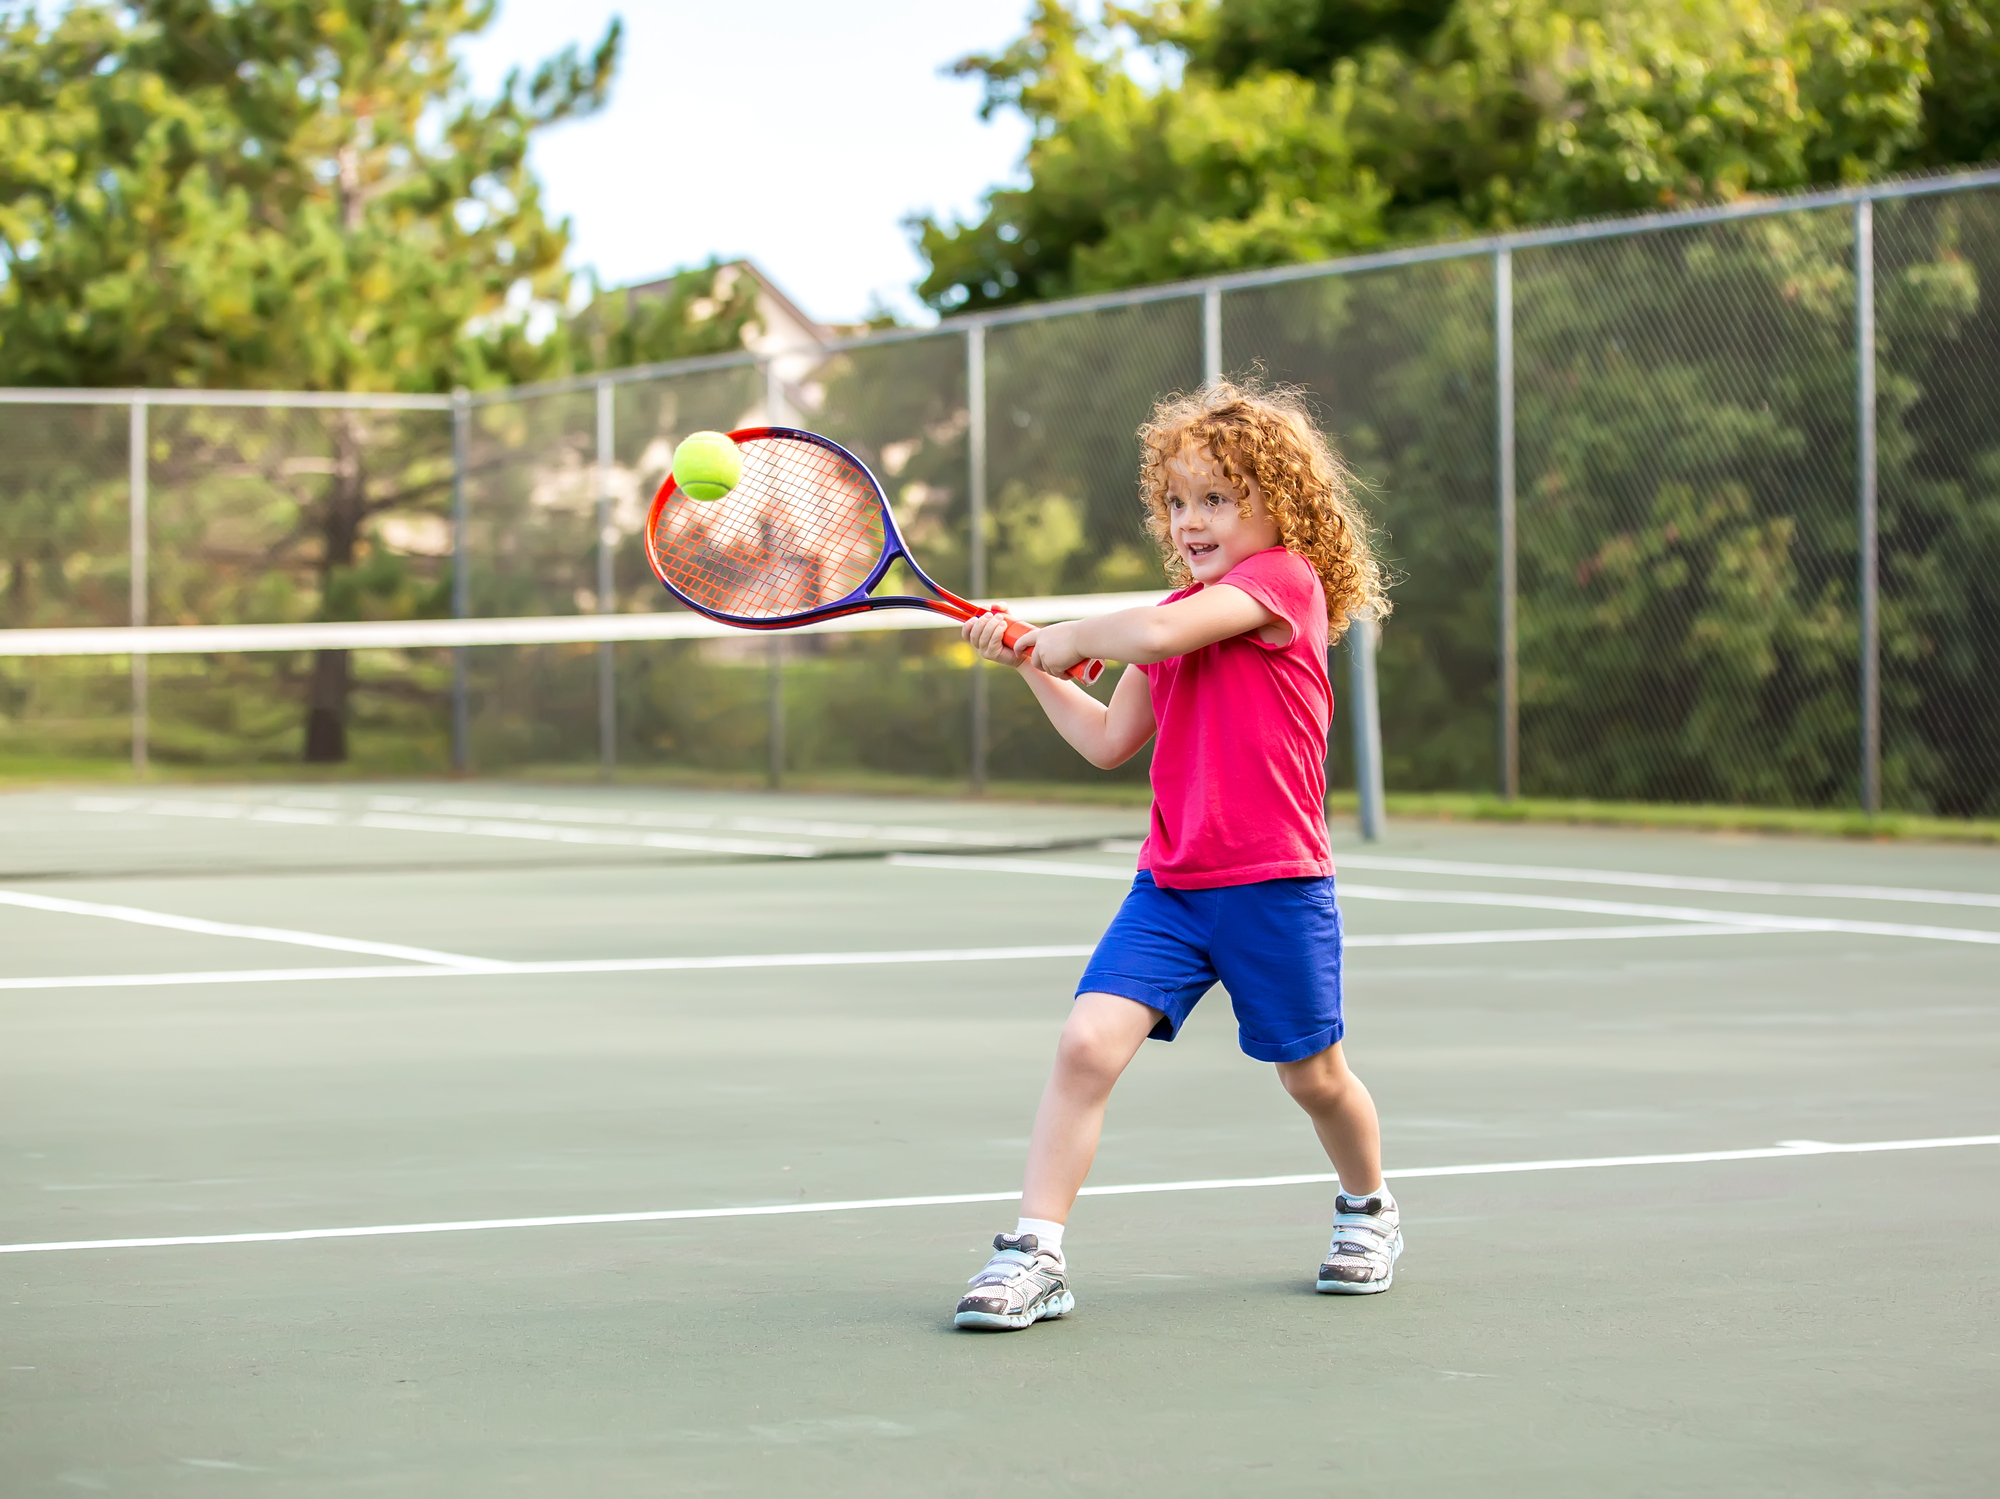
[859, 601]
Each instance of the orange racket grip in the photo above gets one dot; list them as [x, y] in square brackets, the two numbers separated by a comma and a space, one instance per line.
[1083, 671]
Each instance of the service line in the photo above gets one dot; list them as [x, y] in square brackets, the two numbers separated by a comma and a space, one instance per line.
[1784, 1150]
[200, 926]
[1557, 874]
[1752, 920]
[498, 969]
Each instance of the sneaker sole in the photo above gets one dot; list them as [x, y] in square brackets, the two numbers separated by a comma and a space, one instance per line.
[1058, 1306]
[1373, 1287]
[1350, 1288]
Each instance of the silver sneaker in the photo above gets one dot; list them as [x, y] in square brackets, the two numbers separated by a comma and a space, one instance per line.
[1367, 1239]
[1020, 1285]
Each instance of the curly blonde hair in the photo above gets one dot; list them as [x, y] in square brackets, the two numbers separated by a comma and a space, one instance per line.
[1269, 436]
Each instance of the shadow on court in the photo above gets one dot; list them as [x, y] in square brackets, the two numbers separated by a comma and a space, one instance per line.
[1610, 1067]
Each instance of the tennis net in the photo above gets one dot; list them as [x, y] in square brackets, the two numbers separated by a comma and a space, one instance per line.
[892, 693]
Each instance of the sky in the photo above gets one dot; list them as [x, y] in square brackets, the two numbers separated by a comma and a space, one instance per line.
[799, 133]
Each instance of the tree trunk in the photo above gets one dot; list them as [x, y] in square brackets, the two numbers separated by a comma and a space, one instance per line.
[341, 515]
[326, 709]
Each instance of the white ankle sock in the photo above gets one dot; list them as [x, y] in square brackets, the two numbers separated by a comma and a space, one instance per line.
[1047, 1234]
[1383, 1192]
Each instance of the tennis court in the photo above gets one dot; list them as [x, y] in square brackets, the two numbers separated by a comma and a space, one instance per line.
[439, 1140]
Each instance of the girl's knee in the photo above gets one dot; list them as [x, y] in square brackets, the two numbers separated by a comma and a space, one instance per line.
[1089, 1049]
[1319, 1081]
[1086, 1052]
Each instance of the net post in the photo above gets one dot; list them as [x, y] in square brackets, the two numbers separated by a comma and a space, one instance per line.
[607, 671]
[975, 462]
[776, 770]
[1868, 520]
[461, 583]
[1211, 334]
[136, 541]
[1509, 577]
[1363, 693]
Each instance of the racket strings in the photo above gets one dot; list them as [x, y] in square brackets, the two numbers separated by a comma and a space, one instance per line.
[802, 528]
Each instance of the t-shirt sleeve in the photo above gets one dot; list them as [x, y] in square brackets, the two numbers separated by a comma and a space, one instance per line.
[1284, 583]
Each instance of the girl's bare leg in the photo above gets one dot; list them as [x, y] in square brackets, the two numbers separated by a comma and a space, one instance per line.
[1103, 1034]
[1343, 1116]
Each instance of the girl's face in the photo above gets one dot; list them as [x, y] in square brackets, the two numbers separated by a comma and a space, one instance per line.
[1205, 516]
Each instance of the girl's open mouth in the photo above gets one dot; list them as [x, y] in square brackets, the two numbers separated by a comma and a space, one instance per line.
[1200, 549]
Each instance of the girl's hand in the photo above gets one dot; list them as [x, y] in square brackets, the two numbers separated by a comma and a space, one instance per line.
[1053, 648]
[983, 631]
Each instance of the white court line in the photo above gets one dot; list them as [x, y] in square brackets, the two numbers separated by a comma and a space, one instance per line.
[459, 826]
[493, 968]
[1012, 866]
[533, 820]
[1561, 875]
[234, 976]
[1755, 920]
[1787, 1150]
[196, 924]
[465, 827]
[499, 969]
[1552, 934]
[815, 827]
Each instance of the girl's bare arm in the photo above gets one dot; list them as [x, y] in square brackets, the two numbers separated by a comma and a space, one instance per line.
[1155, 633]
[1105, 734]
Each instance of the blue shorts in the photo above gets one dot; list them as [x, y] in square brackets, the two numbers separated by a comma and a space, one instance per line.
[1275, 945]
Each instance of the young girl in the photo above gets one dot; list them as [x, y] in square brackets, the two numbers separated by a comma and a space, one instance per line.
[1235, 882]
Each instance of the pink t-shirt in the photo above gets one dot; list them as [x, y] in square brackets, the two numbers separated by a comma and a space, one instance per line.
[1239, 768]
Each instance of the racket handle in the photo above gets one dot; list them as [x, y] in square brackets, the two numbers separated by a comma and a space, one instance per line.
[1083, 671]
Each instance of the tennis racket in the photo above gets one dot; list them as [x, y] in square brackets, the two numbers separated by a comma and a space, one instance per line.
[804, 536]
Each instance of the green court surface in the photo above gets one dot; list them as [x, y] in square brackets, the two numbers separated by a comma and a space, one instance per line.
[228, 1015]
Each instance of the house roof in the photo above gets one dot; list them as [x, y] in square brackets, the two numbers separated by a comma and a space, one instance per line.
[768, 291]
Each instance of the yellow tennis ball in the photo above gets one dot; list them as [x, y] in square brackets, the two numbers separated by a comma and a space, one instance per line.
[707, 465]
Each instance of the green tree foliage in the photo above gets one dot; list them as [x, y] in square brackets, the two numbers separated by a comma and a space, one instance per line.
[278, 193]
[287, 194]
[1298, 131]
[1688, 617]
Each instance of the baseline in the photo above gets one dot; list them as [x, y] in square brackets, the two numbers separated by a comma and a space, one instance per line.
[1785, 1149]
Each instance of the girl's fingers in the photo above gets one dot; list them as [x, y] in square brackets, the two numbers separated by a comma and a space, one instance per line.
[985, 633]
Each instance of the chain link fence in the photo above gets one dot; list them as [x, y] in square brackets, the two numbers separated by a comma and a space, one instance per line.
[1696, 508]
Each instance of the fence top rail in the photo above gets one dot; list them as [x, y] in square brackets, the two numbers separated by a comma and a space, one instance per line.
[322, 400]
[1488, 244]
[1458, 249]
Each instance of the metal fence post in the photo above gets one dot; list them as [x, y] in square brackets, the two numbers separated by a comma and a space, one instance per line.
[975, 463]
[136, 543]
[1509, 577]
[607, 677]
[461, 584]
[1865, 497]
[775, 773]
[1366, 710]
[1211, 334]
[774, 731]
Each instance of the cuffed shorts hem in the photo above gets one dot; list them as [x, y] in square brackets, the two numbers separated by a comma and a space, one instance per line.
[1290, 1051]
[1173, 1011]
